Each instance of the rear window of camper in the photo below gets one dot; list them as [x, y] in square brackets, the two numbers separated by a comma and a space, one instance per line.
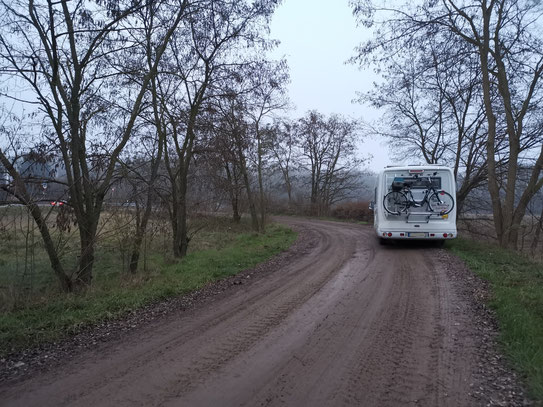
[397, 183]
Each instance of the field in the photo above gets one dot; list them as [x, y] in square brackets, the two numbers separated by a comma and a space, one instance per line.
[33, 309]
[25, 272]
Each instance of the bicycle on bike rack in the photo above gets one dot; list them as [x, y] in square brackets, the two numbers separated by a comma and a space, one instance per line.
[400, 199]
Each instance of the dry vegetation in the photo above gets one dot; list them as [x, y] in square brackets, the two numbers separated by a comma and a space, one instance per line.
[481, 228]
[358, 210]
[25, 273]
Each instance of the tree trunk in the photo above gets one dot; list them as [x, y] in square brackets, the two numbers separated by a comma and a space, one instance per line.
[173, 221]
[23, 196]
[260, 181]
[87, 234]
[289, 193]
[539, 227]
[493, 186]
[136, 249]
[64, 280]
[181, 240]
[234, 193]
[86, 263]
[141, 229]
[182, 235]
[236, 217]
[250, 197]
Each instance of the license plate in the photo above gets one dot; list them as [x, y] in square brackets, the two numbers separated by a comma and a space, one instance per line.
[417, 234]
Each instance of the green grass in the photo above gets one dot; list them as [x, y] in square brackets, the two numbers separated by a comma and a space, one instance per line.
[517, 298]
[228, 253]
[25, 270]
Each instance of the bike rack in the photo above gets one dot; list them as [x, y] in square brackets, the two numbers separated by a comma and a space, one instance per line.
[416, 217]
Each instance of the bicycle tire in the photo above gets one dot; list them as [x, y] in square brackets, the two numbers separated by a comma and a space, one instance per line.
[395, 203]
[441, 202]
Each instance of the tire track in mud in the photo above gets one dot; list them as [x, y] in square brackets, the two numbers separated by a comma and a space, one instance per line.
[396, 355]
[408, 358]
[304, 290]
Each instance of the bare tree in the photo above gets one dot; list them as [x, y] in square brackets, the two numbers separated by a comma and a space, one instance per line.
[284, 150]
[511, 59]
[234, 130]
[218, 39]
[142, 172]
[328, 147]
[433, 109]
[268, 96]
[226, 172]
[68, 54]
[505, 35]
[156, 148]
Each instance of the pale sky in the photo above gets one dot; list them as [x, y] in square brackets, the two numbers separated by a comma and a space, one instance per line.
[317, 38]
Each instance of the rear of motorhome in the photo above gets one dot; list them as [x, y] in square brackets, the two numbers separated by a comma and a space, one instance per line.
[415, 202]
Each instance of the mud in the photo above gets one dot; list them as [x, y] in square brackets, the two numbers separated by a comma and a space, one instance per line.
[339, 321]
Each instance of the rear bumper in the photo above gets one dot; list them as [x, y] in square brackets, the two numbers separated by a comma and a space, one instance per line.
[442, 234]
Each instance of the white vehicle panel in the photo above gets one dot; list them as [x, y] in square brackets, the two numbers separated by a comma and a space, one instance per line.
[420, 220]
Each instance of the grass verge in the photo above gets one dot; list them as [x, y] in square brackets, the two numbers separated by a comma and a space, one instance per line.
[517, 298]
[60, 316]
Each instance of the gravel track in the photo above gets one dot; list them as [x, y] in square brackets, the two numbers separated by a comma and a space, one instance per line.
[336, 321]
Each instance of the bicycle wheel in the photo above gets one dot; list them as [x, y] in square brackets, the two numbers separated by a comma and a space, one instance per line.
[395, 203]
[441, 202]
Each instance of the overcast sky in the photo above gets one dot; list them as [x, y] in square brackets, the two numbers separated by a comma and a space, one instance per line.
[317, 38]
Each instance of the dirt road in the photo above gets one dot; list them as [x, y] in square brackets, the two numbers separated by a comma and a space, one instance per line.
[345, 322]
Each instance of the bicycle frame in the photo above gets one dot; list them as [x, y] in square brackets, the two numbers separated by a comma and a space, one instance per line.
[413, 202]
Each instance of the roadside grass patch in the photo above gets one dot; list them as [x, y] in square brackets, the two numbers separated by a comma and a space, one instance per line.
[55, 316]
[517, 298]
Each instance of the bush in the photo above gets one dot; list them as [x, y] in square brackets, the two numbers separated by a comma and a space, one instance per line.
[358, 210]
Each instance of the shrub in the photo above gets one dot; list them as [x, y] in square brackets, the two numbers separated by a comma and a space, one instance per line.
[358, 210]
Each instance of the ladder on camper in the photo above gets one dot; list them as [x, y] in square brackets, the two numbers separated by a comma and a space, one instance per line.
[419, 217]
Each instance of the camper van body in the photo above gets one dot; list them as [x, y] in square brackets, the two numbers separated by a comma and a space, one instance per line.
[419, 223]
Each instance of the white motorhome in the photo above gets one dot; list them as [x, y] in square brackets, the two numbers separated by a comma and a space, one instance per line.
[415, 202]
